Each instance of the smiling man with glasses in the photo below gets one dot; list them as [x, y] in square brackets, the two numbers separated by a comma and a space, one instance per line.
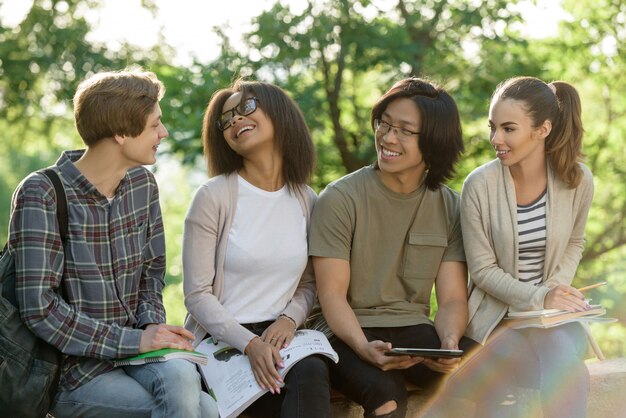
[380, 238]
[383, 128]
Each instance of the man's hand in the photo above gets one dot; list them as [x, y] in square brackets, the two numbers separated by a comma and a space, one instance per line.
[374, 352]
[444, 365]
[157, 336]
[264, 358]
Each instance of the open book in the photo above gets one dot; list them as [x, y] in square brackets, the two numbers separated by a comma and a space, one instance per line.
[229, 375]
[548, 318]
[163, 354]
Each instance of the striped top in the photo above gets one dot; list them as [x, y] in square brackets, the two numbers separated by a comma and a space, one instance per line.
[531, 227]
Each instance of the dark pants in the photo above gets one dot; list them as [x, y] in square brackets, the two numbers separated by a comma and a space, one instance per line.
[372, 387]
[306, 393]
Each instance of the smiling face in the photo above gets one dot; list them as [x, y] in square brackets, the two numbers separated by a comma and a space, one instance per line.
[513, 136]
[399, 156]
[250, 132]
[142, 149]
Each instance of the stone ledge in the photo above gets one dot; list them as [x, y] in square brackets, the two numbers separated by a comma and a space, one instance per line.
[608, 388]
[606, 398]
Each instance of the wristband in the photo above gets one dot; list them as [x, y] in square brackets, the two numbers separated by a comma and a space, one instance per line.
[290, 319]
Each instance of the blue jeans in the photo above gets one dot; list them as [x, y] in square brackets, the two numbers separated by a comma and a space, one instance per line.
[170, 389]
[550, 360]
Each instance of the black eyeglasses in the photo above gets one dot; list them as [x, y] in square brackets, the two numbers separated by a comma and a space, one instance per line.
[244, 109]
[383, 128]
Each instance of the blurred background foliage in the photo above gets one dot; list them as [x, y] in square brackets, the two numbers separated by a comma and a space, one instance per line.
[335, 57]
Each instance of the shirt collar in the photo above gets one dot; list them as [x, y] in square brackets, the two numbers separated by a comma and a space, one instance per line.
[65, 163]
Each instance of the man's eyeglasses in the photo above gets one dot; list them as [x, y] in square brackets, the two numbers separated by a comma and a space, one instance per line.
[244, 109]
[382, 128]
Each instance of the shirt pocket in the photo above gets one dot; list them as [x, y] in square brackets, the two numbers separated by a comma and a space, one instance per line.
[422, 255]
[135, 242]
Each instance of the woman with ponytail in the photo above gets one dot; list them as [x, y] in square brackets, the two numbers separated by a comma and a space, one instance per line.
[523, 218]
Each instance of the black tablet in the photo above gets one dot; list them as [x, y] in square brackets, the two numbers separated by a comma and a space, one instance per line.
[424, 352]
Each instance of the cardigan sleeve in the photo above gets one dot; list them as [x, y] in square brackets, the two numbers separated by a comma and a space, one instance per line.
[200, 241]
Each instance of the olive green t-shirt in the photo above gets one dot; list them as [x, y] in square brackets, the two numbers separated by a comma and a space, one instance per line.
[393, 262]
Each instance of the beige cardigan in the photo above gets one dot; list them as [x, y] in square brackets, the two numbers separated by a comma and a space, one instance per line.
[490, 236]
[205, 238]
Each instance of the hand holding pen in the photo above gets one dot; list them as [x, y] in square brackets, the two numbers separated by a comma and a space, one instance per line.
[568, 298]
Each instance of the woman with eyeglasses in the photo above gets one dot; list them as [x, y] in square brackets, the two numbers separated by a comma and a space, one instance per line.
[248, 280]
[380, 238]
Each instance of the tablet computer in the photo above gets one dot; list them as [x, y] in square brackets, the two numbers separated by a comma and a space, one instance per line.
[424, 352]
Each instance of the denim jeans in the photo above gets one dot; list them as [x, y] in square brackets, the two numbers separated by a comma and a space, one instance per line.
[550, 360]
[170, 389]
[372, 387]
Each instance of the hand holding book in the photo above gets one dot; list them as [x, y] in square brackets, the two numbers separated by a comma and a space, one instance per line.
[161, 355]
[265, 359]
[157, 336]
[230, 377]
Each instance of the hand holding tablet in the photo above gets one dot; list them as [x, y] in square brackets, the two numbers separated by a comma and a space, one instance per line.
[424, 352]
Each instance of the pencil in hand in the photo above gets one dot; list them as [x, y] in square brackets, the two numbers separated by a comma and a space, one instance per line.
[591, 286]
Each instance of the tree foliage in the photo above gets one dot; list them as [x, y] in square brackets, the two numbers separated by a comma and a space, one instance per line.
[42, 60]
[335, 57]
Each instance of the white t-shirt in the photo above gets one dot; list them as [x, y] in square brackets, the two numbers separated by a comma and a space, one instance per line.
[266, 253]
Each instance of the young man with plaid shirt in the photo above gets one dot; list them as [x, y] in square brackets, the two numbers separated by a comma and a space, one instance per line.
[111, 271]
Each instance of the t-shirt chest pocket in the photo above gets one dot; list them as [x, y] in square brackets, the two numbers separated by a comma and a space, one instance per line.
[423, 254]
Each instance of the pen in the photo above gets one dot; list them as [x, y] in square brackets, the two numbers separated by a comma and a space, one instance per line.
[591, 286]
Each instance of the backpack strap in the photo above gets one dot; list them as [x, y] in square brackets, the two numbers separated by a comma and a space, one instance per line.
[62, 216]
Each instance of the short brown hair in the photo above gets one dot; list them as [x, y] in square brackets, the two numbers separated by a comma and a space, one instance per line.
[441, 138]
[115, 103]
[290, 132]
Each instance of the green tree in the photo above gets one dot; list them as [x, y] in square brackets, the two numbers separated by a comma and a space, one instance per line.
[336, 56]
[42, 59]
[592, 56]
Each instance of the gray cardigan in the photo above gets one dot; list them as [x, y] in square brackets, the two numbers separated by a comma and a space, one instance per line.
[490, 236]
[205, 238]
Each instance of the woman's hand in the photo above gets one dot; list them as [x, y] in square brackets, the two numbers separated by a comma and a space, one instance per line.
[566, 298]
[264, 358]
[280, 333]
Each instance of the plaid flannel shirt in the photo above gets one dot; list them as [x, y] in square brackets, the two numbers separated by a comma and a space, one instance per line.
[111, 273]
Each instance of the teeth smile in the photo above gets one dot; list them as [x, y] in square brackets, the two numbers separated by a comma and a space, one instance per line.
[388, 153]
[501, 152]
[244, 129]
